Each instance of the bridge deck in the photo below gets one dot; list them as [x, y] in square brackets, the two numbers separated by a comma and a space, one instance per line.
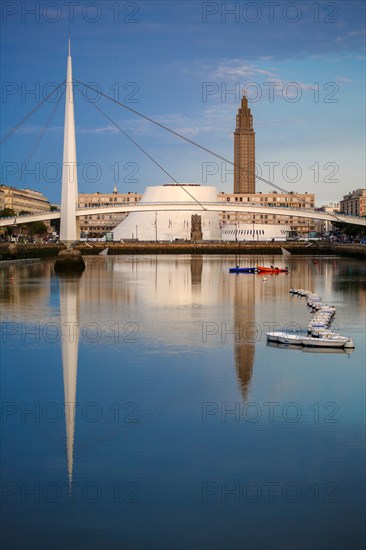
[190, 207]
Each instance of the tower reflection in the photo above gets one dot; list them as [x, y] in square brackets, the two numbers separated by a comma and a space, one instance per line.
[245, 334]
[69, 319]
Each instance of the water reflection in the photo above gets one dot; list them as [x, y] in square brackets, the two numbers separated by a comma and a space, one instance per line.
[170, 297]
[169, 283]
[22, 285]
[310, 350]
[196, 270]
[244, 320]
[70, 323]
[169, 452]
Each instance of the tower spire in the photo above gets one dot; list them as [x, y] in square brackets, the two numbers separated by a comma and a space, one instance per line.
[69, 193]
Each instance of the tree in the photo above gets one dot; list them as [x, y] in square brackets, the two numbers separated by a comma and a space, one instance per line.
[36, 228]
[351, 230]
[6, 213]
[55, 224]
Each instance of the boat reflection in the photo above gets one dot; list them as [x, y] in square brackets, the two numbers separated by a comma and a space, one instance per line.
[310, 349]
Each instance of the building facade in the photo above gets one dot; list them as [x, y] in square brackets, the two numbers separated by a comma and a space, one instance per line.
[23, 200]
[290, 200]
[354, 204]
[142, 226]
[97, 225]
[244, 150]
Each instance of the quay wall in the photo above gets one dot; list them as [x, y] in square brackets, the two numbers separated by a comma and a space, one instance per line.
[19, 251]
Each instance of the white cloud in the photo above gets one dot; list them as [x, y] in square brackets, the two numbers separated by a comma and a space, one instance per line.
[343, 79]
[35, 128]
[108, 129]
[237, 68]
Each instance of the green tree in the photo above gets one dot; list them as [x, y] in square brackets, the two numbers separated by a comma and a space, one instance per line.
[351, 230]
[6, 213]
[55, 224]
[36, 228]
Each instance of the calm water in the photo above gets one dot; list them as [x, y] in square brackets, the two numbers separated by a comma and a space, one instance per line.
[182, 429]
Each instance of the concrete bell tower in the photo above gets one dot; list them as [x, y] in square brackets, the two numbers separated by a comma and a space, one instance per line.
[244, 150]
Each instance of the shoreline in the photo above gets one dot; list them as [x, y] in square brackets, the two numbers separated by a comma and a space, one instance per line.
[11, 251]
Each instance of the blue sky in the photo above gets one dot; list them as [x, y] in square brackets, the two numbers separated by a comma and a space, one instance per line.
[174, 61]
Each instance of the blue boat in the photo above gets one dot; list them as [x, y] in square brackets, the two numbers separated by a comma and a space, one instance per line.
[243, 270]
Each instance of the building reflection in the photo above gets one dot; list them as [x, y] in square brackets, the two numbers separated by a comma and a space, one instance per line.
[166, 280]
[17, 295]
[170, 297]
[196, 270]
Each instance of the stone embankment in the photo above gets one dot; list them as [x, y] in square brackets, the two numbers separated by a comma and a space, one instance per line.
[15, 251]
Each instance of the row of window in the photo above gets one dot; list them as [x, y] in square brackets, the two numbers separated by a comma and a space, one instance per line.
[117, 217]
[96, 204]
[244, 231]
[88, 229]
[274, 200]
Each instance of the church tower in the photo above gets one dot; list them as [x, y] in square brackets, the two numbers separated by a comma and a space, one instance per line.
[244, 150]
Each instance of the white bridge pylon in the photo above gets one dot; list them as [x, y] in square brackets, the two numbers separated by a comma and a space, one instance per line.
[190, 206]
[69, 189]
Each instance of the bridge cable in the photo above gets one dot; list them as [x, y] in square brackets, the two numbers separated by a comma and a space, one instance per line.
[38, 140]
[185, 138]
[146, 153]
[11, 132]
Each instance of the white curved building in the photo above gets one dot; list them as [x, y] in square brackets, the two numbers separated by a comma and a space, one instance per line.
[198, 225]
[169, 226]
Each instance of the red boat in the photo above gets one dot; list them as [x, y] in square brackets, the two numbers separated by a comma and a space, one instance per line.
[271, 269]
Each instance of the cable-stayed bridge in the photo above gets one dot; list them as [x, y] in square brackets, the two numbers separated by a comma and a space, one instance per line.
[70, 212]
[189, 207]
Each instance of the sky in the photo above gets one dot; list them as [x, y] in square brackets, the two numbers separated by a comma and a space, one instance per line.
[186, 64]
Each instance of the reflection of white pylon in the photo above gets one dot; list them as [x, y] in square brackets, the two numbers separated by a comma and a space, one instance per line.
[69, 193]
[69, 315]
